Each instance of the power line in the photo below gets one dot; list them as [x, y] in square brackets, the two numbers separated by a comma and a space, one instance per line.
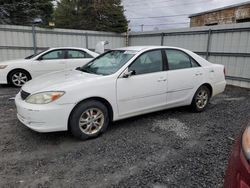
[146, 3]
[177, 23]
[142, 8]
[139, 2]
[177, 15]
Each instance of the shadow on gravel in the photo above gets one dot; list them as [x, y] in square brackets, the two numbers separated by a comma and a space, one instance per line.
[51, 137]
[6, 86]
[153, 115]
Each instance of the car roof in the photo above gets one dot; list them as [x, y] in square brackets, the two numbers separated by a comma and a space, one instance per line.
[74, 48]
[139, 48]
[94, 54]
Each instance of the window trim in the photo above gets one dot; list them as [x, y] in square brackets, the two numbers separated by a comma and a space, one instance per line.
[189, 56]
[64, 55]
[78, 51]
[164, 60]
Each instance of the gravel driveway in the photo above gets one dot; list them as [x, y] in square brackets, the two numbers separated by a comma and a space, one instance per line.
[172, 148]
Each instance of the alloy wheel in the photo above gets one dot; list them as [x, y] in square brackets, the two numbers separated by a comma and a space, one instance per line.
[19, 78]
[91, 121]
[202, 99]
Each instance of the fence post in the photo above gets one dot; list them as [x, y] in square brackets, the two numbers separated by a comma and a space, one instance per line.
[86, 40]
[208, 43]
[127, 38]
[34, 38]
[162, 38]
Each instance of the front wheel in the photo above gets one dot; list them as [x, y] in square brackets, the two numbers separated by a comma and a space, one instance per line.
[19, 78]
[201, 99]
[89, 119]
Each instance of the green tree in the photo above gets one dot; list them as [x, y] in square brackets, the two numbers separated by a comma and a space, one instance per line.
[24, 11]
[100, 15]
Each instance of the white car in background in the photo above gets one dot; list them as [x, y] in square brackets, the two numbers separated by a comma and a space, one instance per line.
[118, 84]
[18, 72]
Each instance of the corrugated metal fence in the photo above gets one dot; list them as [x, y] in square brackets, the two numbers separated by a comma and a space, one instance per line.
[21, 41]
[225, 44]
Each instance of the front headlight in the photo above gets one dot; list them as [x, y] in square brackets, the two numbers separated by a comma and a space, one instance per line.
[3, 66]
[246, 143]
[44, 97]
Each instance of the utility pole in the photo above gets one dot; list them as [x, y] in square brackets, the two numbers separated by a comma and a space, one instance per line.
[127, 37]
[34, 22]
[34, 38]
[142, 27]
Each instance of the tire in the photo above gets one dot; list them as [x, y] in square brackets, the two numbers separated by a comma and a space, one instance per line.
[201, 99]
[83, 125]
[19, 77]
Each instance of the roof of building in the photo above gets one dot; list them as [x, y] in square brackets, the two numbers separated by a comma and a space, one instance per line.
[222, 8]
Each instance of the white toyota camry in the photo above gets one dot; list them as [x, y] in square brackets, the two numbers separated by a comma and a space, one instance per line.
[118, 84]
[18, 72]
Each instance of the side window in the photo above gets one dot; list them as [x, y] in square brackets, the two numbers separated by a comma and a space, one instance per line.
[179, 60]
[148, 62]
[55, 54]
[74, 54]
[194, 63]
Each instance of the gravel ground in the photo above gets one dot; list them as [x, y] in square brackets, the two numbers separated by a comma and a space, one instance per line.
[171, 148]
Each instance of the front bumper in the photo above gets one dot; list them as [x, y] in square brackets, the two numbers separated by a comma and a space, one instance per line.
[238, 170]
[43, 118]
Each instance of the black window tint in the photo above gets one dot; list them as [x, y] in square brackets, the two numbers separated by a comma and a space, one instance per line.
[194, 63]
[55, 54]
[148, 62]
[74, 54]
[178, 60]
[88, 55]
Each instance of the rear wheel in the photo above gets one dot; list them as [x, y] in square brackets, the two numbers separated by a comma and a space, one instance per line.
[89, 119]
[19, 78]
[201, 99]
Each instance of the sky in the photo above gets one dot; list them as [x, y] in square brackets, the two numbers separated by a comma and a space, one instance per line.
[167, 14]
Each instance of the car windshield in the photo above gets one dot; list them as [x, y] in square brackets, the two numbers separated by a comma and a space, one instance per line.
[109, 62]
[34, 55]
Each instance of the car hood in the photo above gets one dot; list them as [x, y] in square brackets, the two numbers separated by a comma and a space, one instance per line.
[15, 61]
[56, 81]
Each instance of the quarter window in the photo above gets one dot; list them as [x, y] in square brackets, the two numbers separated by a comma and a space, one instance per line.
[179, 60]
[74, 54]
[56, 54]
[148, 62]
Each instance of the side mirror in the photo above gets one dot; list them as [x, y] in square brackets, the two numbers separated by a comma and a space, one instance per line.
[128, 73]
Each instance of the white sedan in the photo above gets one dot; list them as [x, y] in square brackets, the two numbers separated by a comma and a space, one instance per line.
[118, 84]
[17, 72]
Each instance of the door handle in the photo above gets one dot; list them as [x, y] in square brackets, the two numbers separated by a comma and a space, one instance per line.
[198, 74]
[211, 70]
[161, 79]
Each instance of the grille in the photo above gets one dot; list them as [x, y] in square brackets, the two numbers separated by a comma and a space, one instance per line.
[24, 94]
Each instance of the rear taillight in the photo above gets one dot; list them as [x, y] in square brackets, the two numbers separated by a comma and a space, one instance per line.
[224, 71]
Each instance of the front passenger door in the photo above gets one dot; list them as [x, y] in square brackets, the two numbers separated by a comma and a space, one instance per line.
[49, 62]
[145, 90]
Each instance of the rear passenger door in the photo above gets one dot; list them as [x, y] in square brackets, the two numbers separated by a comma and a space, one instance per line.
[77, 58]
[184, 75]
